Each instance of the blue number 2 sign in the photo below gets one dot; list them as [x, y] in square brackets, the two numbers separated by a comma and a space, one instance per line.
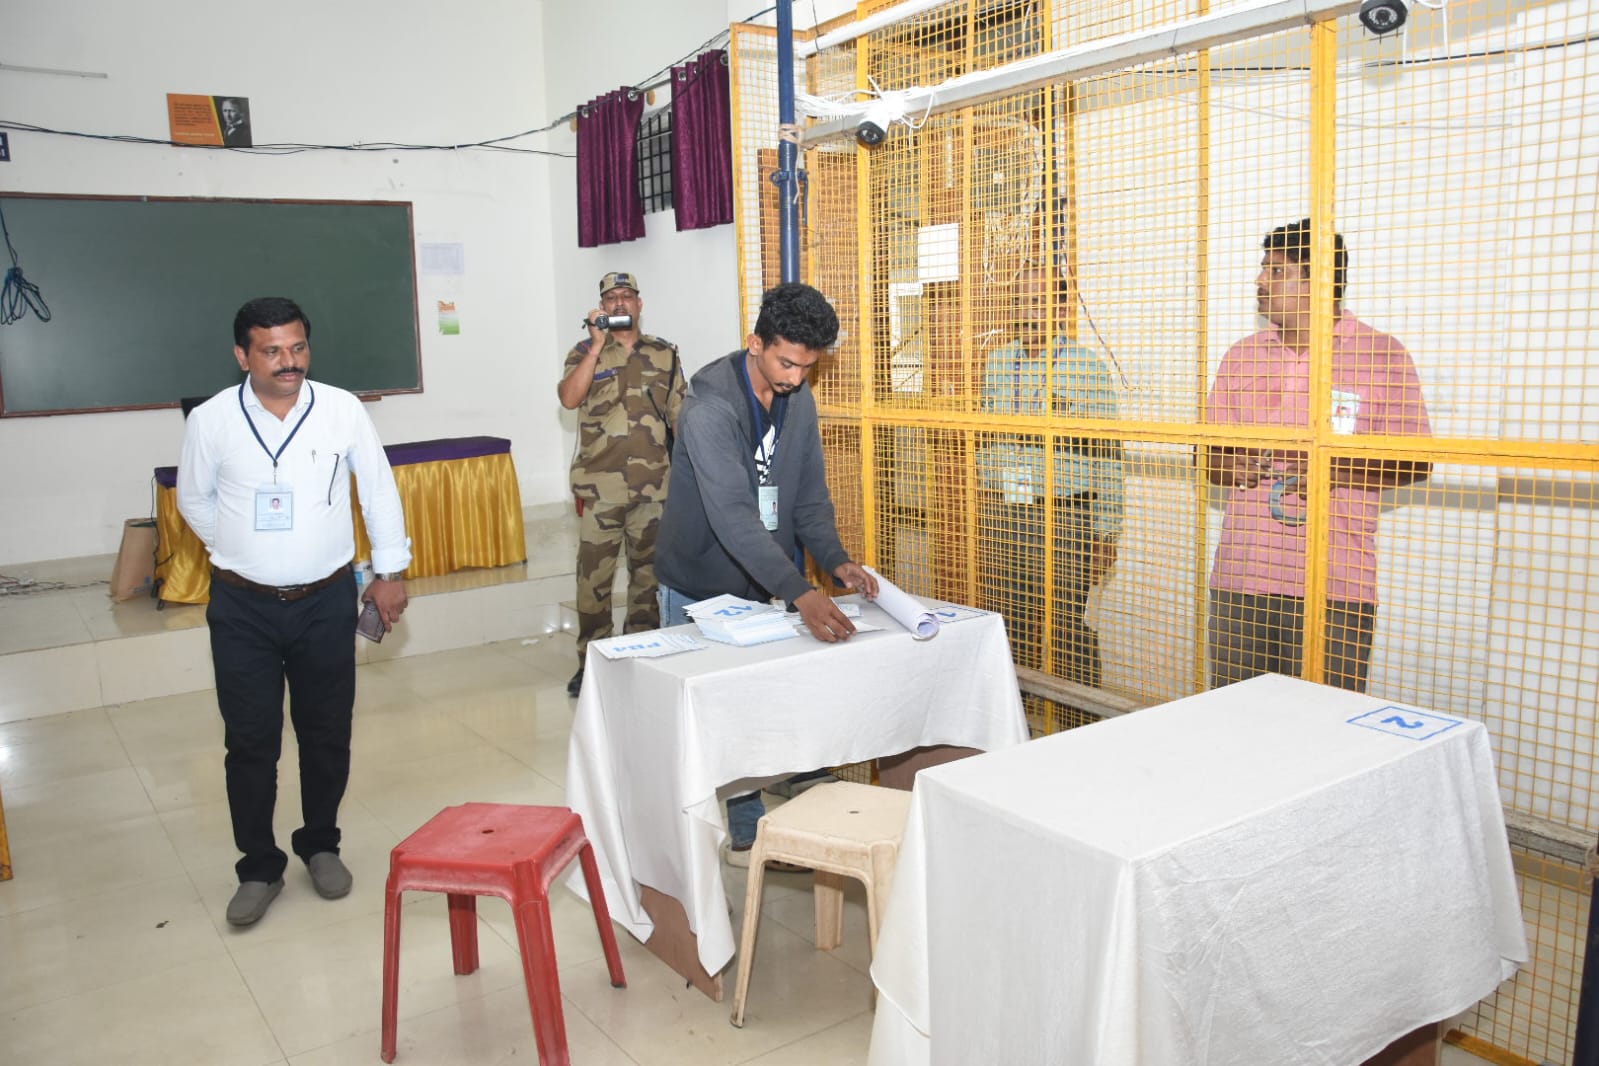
[1405, 722]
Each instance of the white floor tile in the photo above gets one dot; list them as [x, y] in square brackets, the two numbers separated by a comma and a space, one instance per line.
[198, 1012]
[90, 861]
[84, 944]
[323, 986]
[59, 746]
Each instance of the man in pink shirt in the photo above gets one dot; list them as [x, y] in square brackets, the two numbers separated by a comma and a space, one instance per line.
[1257, 582]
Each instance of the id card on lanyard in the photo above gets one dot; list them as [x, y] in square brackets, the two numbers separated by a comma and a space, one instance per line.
[767, 435]
[274, 503]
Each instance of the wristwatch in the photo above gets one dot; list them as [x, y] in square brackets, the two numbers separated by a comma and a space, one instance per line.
[398, 575]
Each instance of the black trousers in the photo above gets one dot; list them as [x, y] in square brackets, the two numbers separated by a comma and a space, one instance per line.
[257, 643]
[1253, 635]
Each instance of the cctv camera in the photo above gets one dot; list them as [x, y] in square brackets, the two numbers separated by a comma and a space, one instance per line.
[873, 127]
[1383, 16]
[869, 133]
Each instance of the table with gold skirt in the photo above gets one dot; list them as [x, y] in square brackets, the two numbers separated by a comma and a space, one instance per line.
[461, 501]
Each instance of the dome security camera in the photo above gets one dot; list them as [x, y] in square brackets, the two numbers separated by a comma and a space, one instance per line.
[1383, 16]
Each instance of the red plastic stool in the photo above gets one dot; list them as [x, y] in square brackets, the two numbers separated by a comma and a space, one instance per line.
[497, 849]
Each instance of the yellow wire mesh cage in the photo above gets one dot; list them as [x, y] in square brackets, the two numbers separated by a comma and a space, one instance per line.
[1273, 354]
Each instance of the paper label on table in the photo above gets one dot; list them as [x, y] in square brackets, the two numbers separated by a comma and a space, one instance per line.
[650, 645]
[1404, 722]
[954, 612]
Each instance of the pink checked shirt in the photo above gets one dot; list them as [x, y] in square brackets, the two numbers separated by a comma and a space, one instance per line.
[1263, 382]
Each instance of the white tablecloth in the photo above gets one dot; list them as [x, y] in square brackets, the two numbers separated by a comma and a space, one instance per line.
[654, 739]
[1244, 876]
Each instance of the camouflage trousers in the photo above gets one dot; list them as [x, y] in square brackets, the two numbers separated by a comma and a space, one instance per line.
[604, 532]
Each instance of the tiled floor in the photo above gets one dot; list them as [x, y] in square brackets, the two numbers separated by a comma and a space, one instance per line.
[113, 947]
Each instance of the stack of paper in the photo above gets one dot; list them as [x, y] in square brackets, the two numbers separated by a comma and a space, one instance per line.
[732, 620]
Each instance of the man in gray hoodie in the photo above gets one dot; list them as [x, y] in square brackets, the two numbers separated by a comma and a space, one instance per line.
[749, 490]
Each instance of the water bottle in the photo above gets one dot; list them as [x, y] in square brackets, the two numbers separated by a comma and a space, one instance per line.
[363, 576]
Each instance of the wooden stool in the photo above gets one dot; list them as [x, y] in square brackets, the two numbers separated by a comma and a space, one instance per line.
[840, 830]
[497, 849]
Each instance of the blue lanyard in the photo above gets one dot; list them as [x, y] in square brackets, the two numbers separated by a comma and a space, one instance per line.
[779, 413]
[282, 447]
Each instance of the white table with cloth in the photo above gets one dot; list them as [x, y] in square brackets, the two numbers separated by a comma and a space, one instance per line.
[1274, 871]
[656, 739]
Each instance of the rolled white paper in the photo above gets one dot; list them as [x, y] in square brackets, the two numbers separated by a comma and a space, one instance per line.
[903, 608]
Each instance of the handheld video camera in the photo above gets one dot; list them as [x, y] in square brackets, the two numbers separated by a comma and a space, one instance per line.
[609, 322]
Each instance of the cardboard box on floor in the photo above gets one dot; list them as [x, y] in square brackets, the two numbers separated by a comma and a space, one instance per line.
[134, 574]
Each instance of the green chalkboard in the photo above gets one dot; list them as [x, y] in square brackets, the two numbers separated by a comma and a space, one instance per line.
[142, 293]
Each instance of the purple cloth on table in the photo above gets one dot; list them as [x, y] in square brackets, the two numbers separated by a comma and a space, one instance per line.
[421, 451]
[432, 451]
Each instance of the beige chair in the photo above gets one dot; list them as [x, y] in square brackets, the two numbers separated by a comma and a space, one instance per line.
[840, 830]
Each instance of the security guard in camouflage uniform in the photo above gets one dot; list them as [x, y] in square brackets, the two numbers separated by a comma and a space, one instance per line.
[629, 388]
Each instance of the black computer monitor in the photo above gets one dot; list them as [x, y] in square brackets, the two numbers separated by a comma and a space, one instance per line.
[189, 403]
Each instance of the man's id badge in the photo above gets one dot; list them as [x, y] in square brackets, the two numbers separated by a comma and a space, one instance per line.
[1345, 410]
[766, 501]
[274, 509]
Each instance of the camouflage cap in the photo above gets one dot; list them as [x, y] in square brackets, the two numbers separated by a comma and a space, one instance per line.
[618, 279]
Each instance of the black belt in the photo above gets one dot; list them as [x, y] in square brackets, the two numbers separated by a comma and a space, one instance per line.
[286, 593]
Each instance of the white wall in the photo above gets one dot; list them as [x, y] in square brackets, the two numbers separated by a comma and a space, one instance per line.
[689, 280]
[322, 73]
[402, 71]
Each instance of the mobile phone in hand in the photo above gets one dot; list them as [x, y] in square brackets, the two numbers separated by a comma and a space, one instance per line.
[370, 624]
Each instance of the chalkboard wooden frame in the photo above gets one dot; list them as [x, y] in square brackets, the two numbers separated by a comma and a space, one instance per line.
[142, 291]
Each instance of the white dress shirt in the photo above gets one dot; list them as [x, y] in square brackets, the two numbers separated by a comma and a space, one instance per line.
[224, 466]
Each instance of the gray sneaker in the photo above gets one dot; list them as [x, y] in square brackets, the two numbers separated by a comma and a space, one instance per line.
[329, 875]
[251, 901]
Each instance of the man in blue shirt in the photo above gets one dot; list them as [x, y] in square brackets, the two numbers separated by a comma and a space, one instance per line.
[1081, 490]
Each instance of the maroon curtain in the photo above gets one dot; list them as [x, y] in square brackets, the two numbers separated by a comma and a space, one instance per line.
[702, 142]
[608, 205]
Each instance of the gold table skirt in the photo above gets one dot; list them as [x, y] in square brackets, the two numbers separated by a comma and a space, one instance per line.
[458, 513]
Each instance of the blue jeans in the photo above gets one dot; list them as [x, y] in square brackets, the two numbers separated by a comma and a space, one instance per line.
[743, 812]
[672, 603]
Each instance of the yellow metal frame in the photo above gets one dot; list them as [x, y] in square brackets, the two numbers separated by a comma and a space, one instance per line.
[949, 428]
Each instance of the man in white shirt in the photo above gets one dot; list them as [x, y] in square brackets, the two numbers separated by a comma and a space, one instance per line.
[264, 481]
